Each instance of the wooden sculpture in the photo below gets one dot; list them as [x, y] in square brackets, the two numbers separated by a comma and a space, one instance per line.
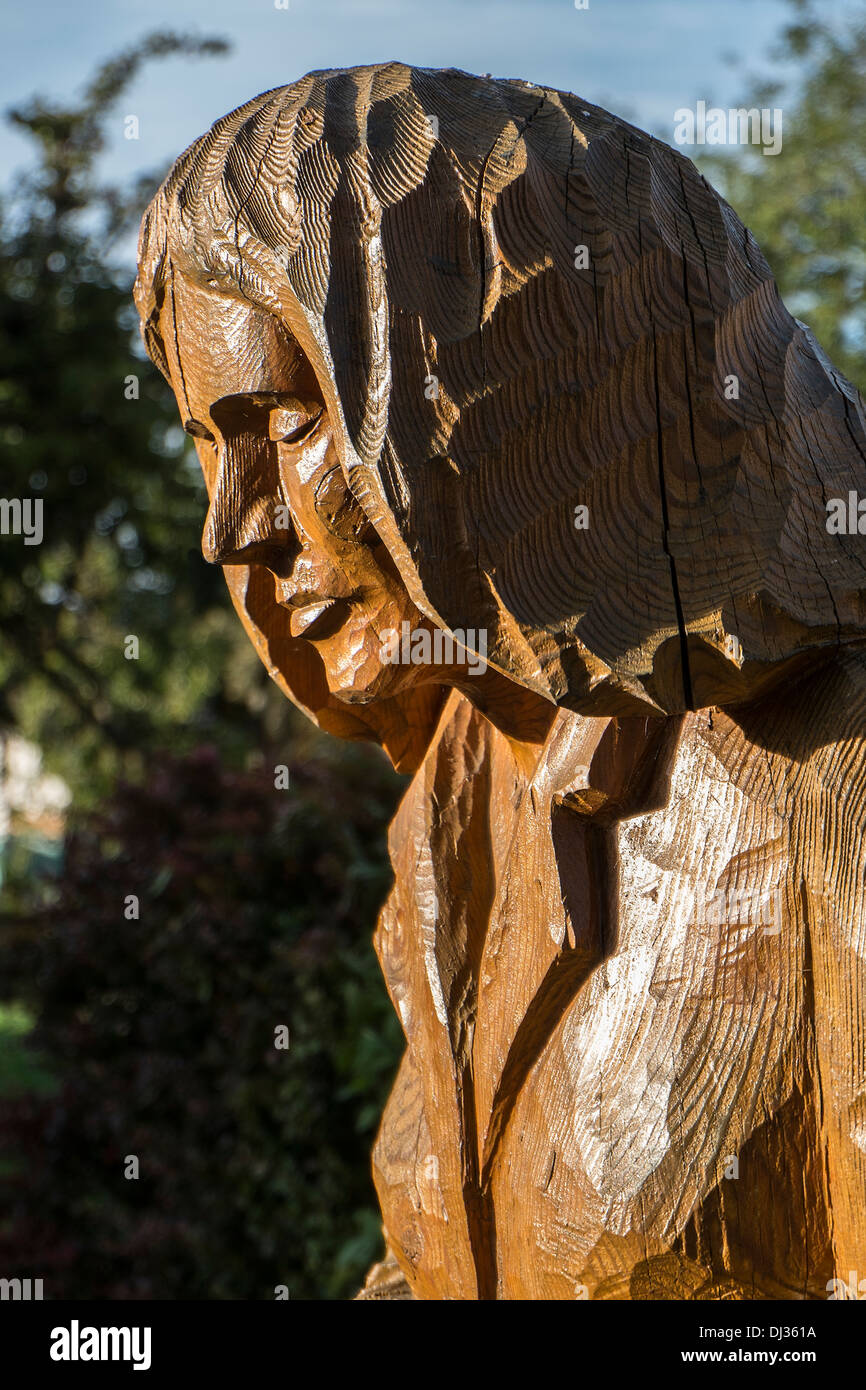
[519, 466]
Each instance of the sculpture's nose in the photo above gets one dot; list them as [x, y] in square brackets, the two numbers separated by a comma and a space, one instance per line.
[247, 522]
[246, 540]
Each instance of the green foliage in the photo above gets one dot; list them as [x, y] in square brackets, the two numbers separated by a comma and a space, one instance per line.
[807, 205]
[155, 1037]
[123, 497]
[254, 1161]
[21, 1070]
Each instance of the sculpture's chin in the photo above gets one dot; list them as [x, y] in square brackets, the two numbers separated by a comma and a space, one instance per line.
[354, 669]
[354, 697]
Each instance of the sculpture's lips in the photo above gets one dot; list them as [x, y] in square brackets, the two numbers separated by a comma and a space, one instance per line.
[316, 620]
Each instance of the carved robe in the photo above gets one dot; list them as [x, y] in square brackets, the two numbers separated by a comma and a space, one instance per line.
[631, 978]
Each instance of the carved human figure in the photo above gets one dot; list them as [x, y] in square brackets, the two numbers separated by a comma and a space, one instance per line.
[518, 465]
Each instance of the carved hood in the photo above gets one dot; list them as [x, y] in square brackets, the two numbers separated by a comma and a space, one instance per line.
[525, 314]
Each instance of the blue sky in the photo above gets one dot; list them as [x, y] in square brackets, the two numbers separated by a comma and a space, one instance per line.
[640, 58]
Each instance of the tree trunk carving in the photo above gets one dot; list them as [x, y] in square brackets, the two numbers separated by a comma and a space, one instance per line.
[518, 465]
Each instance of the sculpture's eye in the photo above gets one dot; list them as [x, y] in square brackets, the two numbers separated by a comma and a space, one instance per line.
[198, 430]
[294, 426]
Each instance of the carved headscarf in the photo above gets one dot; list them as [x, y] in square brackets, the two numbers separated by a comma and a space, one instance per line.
[519, 306]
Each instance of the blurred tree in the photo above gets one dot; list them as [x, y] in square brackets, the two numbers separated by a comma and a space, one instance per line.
[159, 1020]
[807, 205]
[89, 426]
[257, 906]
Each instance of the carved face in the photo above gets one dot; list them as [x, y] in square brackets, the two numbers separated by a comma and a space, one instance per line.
[278, 497]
